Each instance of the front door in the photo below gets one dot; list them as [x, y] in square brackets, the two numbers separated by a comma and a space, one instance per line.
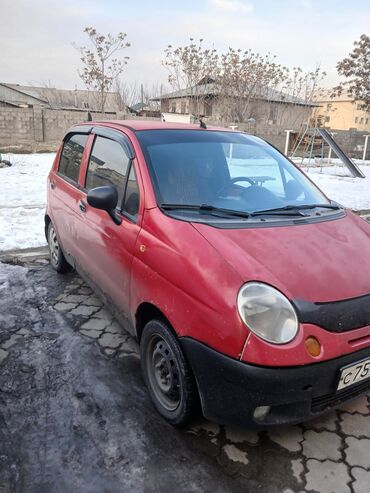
[105, 248]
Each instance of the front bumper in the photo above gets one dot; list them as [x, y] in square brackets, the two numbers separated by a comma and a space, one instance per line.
[231, 390]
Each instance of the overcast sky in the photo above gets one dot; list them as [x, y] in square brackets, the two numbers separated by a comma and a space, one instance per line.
[36, 35]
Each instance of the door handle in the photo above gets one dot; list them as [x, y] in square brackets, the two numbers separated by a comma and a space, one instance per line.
[52, 184]
[82, 206]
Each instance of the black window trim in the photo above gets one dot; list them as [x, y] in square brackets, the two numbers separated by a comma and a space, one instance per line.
[78, 129]
[117, 136]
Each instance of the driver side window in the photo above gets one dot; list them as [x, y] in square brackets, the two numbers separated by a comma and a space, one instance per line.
[108, 165]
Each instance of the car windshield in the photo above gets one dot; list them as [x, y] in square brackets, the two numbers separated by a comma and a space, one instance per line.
[226, 170]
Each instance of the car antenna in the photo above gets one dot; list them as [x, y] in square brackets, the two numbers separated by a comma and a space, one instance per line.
[202, 123]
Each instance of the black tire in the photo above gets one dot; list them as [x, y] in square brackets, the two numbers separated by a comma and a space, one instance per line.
[167, 374]
[57, 259]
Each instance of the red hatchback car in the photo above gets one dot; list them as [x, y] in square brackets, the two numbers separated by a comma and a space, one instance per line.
[246, 287]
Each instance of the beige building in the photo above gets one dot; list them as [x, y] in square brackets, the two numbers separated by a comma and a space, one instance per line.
[269, 107]
[341, 112]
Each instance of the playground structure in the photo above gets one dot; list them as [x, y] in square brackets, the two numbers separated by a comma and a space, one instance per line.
[318, 142]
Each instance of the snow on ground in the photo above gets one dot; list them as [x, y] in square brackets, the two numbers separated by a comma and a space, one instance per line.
[23, 196]
[346, 190]
[23, 200]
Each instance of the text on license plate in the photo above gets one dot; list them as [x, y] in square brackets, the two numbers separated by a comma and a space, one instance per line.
[354, 373]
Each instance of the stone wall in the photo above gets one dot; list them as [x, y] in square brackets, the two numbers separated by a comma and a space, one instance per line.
[38, 129]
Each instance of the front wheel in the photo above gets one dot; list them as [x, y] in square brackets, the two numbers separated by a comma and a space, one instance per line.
[57, 259]
[167, 374]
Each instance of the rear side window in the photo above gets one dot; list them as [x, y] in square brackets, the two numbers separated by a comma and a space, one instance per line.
[107, 166]
[70, 160]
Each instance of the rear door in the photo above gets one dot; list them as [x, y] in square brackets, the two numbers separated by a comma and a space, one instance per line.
[65, 190]
[105, 249]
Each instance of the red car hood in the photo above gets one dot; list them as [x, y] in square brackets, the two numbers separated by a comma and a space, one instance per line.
[320, 262]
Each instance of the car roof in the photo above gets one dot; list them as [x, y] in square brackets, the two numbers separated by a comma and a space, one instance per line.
[151, 125]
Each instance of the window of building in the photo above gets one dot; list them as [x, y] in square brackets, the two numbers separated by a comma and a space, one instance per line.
[70, 160]
[366, 121]
[329, 106]
[360, 106]
[327, 118]
[107, 166]
[208, 108]
[272, 113]
[131, 202]
[183, 107]
[361, 121]
[173, 107]
[356, 119]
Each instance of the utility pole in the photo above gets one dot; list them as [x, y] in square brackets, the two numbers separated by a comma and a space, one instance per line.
[287, 141]
[365, 146]
[329, 153]
[142, 96]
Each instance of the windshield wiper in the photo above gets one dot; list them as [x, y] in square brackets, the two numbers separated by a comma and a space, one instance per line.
[206, 208]
[294, 209]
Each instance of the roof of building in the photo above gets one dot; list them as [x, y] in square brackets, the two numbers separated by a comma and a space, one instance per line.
[139, 106]
[328, 95]
[213, 89]
[63, 98]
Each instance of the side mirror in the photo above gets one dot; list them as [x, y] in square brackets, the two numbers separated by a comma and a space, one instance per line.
[105, 198]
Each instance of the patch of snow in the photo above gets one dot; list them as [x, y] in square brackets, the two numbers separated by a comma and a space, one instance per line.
[235, 454]
[23, 200]
[353, 193]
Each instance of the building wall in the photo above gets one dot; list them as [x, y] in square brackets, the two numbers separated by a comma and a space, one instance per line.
[288, 115]
[343, 115]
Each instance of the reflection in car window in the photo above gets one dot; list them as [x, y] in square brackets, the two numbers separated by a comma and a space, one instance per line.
[224, 169]
[107, 166]
[70, 160]
[131, 203]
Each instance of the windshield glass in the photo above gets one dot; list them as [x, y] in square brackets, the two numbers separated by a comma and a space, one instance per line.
[229, 170]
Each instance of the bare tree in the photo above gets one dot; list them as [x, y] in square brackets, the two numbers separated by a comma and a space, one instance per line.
[129, 92]
[244, 77]
[100, 67]
[300, 89]
[188, 66]
[356, 71]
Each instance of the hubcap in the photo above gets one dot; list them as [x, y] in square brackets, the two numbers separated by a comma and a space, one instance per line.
[163, 372]
[53, 247]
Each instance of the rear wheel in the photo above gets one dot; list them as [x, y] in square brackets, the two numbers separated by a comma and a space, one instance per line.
[167, 374]
[57, 259]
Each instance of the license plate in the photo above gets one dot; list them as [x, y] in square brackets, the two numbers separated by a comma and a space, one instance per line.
[354, 373]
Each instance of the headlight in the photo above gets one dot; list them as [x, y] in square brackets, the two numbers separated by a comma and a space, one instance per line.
[267, 313]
